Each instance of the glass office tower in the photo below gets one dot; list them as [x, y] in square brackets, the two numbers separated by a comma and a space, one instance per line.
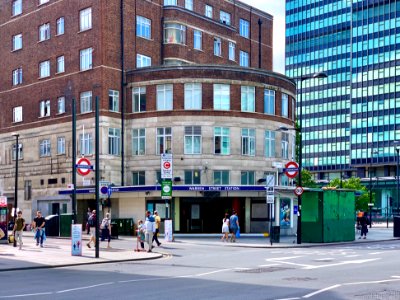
[351, 118]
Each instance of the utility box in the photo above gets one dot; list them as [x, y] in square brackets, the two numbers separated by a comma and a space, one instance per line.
[328, 216]
[65, 224]
[396, 226]
[52, 226]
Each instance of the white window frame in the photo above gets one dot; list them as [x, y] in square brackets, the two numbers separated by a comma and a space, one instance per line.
[44, 69]
[44, 108]
[170, 2]
[222, 134]
[244, 28]
[163, 138]
[285, 105]
[222, 96]
[143, 27]
[285, 145]
[218, 177]
[269, 102]
[17, 7]
[138, 178]
[60, 105]
[165, 97]
[86, 102]
[248, 98]
[61, 145]
[248, 141]
[113, 100]
[138, 141]
[269, 143]
[44, 148]
[60, 26]
[17, 42]
[20, 151]
[142, 61]
[138, 99]
[85, 19]
[217, 46]
[60, 64]
[250, 177]
[192, 177]
[208, 11]
[86, 144]
[197, 39]
[86, 59]
[193, 96]
[174, 33]
[44, 32]
[114, 141]
[232, 50]
[225, 17]
[192, 140]
[17, 76]
[244, 59]
[17, 114]
[189, 4]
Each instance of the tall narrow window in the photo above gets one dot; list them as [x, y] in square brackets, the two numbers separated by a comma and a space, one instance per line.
[192, 140]
[139, 99]
[192, 177]
[60, 64]
[45, 108]
[197, 39]
[285, 145]
[17, 114]
[247, 178]
[20, 152]
[17, 76]
[164, 97]
[269, 102]
[244, 59]
[248, 98]
[61, 145]
[44, 32]
[44, 148]
[269, 143]
[164, 140]
[192, 95]
[143, 27]
[208, 12]
[244, 28]
[248, 142]
[285, 110]
[139, 178]
[114, 141]
[189, 4]
[225, 17]
[138, 141]
[27, 189]
[86, 102]
[86, 59]
[86, 144]
[61, 105]
[221, 96]
[217, 47]
[232, 47]
[85, 19]
[113, 100]
[222, 142]
[142, 61]
[17, 7]
[60, 26]
[44, 69]
[17, 42]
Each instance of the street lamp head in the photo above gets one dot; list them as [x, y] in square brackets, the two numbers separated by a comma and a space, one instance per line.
[284, 128]
[314, 75]
[15, 134]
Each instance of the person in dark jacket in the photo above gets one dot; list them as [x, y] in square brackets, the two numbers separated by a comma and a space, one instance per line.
[363, 222]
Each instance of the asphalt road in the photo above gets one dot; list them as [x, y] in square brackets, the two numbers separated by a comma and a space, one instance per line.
[200, 271]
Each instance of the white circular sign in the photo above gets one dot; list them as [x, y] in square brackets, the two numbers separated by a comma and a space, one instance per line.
[166, 188]
[298, 190]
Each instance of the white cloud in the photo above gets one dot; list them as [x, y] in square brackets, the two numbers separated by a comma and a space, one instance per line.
[275, 8]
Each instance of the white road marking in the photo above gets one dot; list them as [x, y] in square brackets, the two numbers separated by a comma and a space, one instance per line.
[322, 290]
[85, 287]
[288, 298]
[340, 263]
[369, 282]
[25, 295]
[395, 276]
[374, 253]
[213, 272]
[270, 265]
[354, 255]
[322, 259]
[283, 258]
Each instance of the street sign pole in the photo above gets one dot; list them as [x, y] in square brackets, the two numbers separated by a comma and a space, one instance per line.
[166, 180]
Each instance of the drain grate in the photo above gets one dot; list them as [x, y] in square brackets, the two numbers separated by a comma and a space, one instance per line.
[263, 270]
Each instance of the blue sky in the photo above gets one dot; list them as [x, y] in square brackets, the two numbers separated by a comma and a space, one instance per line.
[277, 9]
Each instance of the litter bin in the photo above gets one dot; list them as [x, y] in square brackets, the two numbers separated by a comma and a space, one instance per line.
[52, 226]
[114, 230]
[396, 226]
[65, 224]
[275, 234]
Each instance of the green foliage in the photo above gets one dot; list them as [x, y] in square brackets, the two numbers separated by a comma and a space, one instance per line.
[307, 179]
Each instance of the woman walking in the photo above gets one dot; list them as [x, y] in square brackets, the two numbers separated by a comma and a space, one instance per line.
[225, 228]
[106, 229]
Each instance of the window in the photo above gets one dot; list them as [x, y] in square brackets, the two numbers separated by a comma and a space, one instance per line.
[197, 39]
[61, 145]
[221, 177]
[27, 189]
[142, 61]
[17, 42]
[193, 96]
[222, 140]
[17, 76]
[164, 97]
[247, 178]
[269, 143]
[192, 140]
[269, 102]
[143, 27]
[60, 64]
[138, 141]
[113, 100]
[17, 114]
[61, 105]
[86, 102]
[43, 2]
[164, 140]
[174, 34]
[114, 137]
[208, 11]
[221, 96]
[248, 98]
[248, 142]
[244, 28]
[138, 178]
[20, 152]
[86, 59]
[44, 108]
[85, 19]
[86, 143]
[139, 99]
[225, 17]
[285, 110]
[44, 69]
[44, 148]
[17, 7]
[244, 59]
[169, 2]
[60, 26]
[285, 145]
[192, 177]
[217, 47]
[189, 4]
[44, 32]
[232, 47]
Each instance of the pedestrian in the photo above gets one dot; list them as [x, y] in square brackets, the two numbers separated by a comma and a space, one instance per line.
[88, 214]
[233, 225]
[141, 231]
[150, 229]
[225, 228]
[19, 228]
[363, 222]
[106, 229]
[38, 225]
[92, 221]
[158, 223]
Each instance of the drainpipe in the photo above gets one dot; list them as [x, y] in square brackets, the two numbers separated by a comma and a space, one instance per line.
[259, 43]
[122, 95]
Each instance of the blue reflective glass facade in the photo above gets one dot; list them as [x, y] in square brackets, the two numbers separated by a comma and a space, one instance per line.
[351, 118]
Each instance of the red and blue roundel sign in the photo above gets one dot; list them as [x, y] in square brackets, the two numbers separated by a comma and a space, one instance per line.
[83, 166]
[291, 169]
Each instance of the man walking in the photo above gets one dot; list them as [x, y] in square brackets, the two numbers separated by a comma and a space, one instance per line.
[92, 228]
[38, 225]
[150, 229]
[158, 222]
[233, 225]
[19, 228]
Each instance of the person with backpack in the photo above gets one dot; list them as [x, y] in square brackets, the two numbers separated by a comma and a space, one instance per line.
[150, 228]
[92, 221]
[106, 229]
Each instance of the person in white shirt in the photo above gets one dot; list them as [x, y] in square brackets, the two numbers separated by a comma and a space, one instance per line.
[150, 229]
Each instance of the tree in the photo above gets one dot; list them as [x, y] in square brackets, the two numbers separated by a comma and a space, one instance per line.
[307, 179]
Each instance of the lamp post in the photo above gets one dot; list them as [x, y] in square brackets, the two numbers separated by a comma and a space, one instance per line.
[16, 135]
[370, 204]
[397, 145]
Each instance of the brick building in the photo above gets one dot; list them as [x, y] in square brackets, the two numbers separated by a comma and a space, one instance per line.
[192, 78]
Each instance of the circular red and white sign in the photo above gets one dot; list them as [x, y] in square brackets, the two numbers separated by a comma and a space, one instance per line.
[167, 165]
[298, 191]
[83, 171]
[292, 169]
